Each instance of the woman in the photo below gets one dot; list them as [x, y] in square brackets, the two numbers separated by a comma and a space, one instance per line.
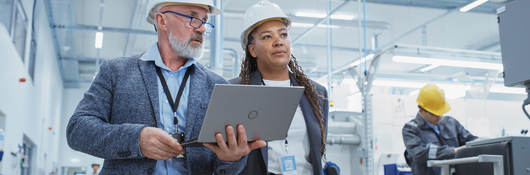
[269, 62]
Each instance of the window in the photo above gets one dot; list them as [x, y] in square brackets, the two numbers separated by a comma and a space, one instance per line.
[28, 159]
[6, 7]
[33, 41]
[19, 28]
[14, 18]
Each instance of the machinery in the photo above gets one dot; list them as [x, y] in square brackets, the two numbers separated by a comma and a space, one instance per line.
[498, 156]
[344, 141]
[505, 155]
[515, 152]
[514, 38]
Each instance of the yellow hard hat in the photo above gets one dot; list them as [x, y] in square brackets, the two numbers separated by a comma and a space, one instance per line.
[432, 99]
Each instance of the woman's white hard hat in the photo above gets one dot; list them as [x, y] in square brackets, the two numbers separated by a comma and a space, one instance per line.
[259, 13]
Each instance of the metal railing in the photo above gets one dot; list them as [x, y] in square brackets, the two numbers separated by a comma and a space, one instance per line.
[497, 160]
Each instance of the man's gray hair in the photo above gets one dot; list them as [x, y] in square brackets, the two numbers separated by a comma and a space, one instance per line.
[154, 18]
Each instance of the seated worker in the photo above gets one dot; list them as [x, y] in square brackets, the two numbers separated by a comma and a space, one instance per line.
[431, 136]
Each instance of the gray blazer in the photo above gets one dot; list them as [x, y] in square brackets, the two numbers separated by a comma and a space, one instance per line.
[257, 159]
[423, 143]
[122, 100]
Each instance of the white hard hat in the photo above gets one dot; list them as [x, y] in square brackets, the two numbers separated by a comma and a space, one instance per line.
[258, 14]
[157, 4]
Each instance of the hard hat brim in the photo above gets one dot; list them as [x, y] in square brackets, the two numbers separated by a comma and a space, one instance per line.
[244, 35]
[211, 9]
[439, 112]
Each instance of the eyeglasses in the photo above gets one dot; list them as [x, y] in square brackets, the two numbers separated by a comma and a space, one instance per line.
[194, 21]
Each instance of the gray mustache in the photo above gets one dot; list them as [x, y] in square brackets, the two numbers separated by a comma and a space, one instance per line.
[196, 36]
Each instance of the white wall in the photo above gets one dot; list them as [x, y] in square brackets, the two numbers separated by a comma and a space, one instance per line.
[31, 107]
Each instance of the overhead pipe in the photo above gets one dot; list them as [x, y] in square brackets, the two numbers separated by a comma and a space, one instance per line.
[131, 24]
[54, 36]
[343, 127]
[147, 32]
[459, 51]
[330, 53]
[103, 29]
[391, 43]
[343, 139]
[489, 8]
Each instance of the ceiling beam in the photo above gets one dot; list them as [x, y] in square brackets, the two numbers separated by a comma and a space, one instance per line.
[104, 29]
[51, 22]
[489, 7]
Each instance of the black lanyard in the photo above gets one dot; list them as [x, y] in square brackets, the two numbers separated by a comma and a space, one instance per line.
[174, 105]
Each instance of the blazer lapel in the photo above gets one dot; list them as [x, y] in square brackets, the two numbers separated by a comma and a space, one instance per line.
[309, 116]
[147, 69]
[312, 127]
[255, 78]
[199, 93]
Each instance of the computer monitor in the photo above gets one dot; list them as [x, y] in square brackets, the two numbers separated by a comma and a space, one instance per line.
[515, 151]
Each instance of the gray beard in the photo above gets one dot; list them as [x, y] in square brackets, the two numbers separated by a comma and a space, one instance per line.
[184, 49]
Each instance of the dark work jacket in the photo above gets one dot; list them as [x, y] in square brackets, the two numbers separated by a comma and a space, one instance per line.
[257, 159]
[423, 143]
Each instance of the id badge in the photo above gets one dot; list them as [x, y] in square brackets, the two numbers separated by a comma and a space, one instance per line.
[288, 165]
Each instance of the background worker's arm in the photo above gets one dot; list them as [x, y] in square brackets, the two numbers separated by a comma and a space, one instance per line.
[463, 134]
[420, 151]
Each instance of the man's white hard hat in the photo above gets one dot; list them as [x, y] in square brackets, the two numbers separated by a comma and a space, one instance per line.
[259, 13]
[154, 5]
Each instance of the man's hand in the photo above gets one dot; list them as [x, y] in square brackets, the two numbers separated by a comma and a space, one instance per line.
[157, 144]
[235, 150]
[458, 148]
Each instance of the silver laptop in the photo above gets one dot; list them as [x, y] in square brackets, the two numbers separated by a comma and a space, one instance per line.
[265, 111]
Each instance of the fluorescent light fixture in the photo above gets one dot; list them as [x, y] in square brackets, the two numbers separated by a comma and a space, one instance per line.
[499, 88]
[99, 40]
[307, 25]
[429, 68]
[323, 15]
[342, 17]
[472, 5]
[452, 91]
[297, 24]
[448, 62]
[75, 160]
